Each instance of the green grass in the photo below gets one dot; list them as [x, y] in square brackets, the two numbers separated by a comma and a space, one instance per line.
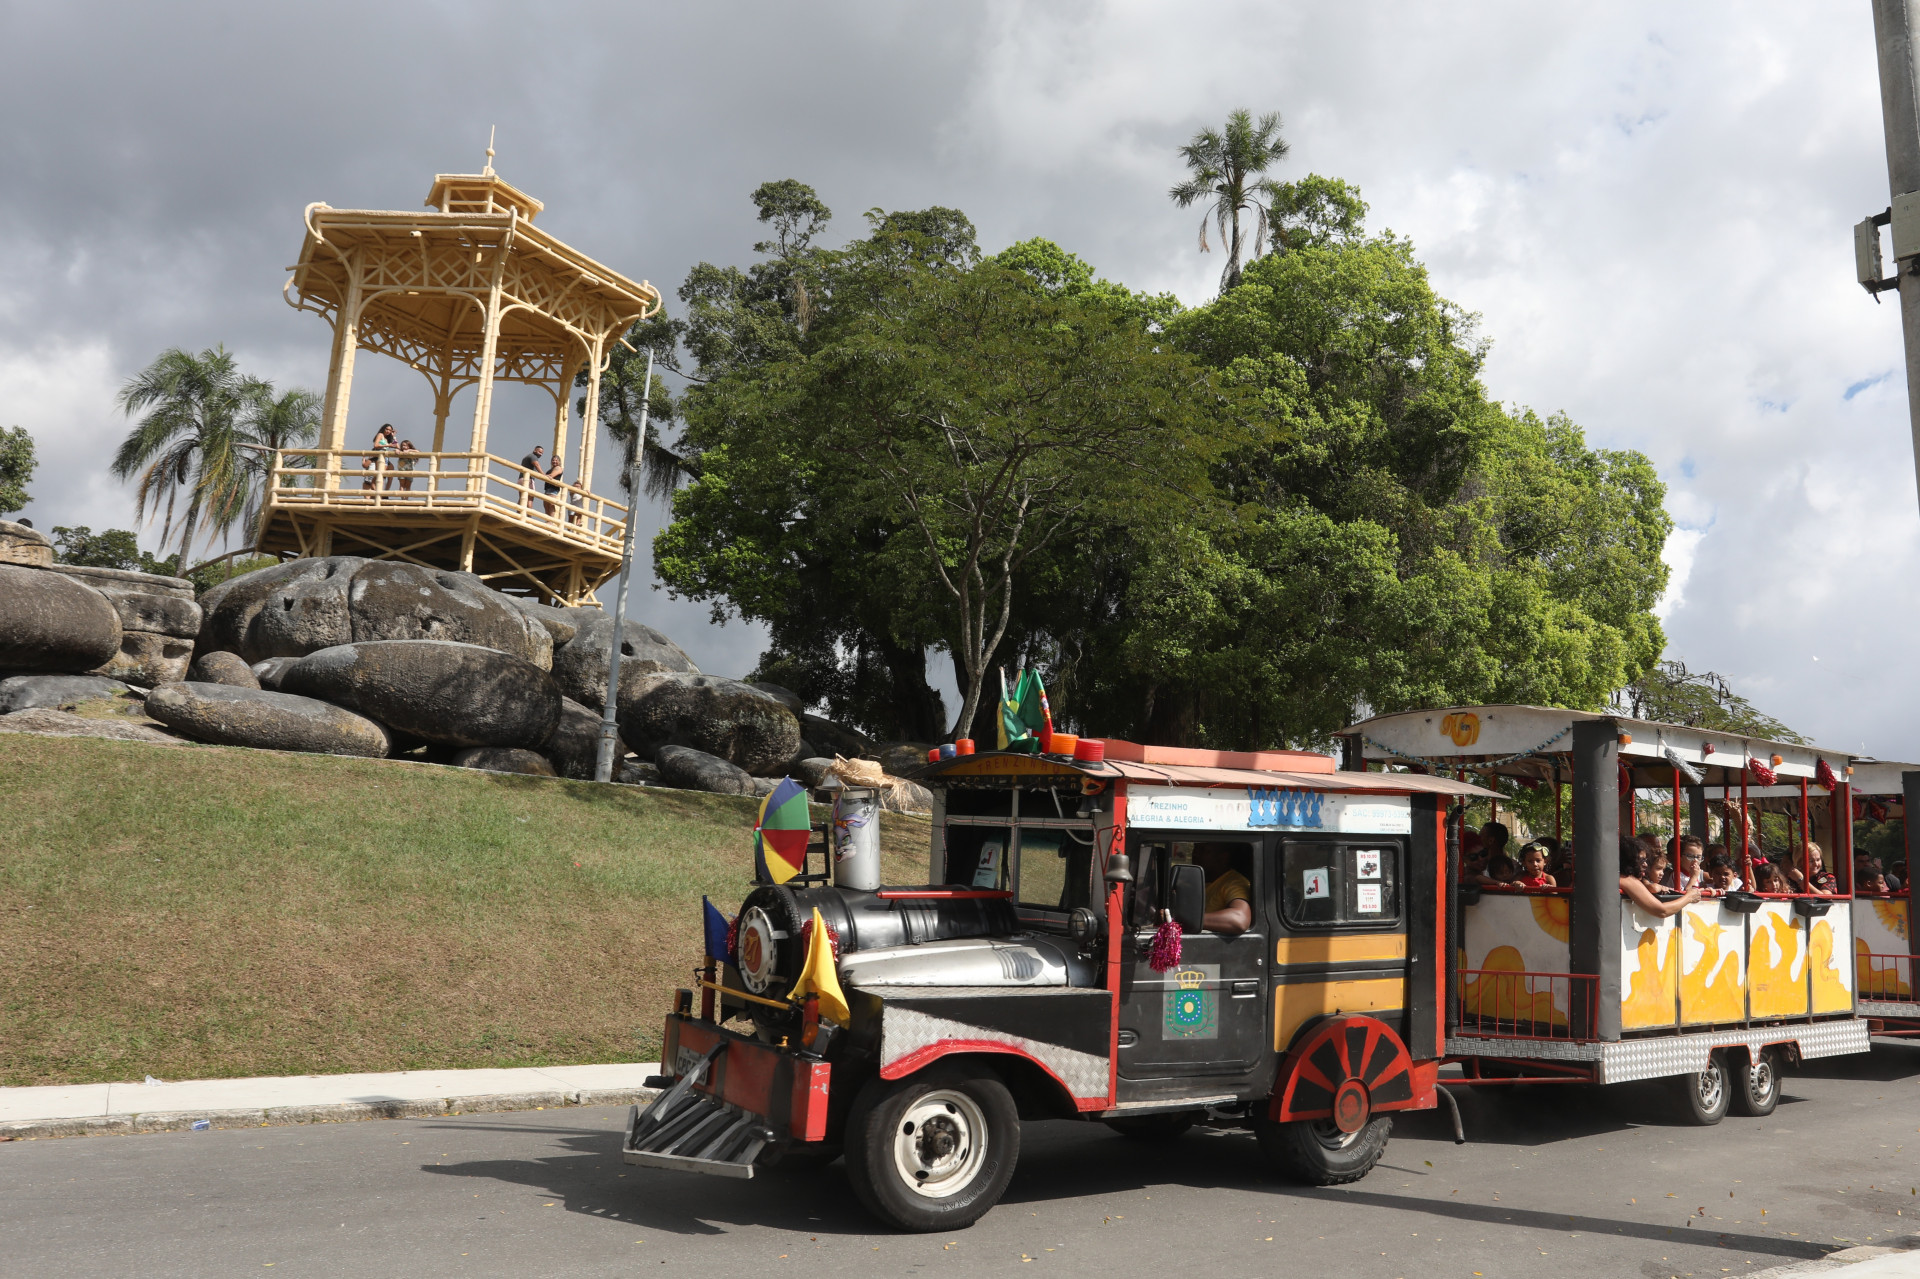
[203, 912]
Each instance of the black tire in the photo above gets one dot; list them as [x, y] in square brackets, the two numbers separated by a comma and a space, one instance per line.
[933, 1151]
[1317, 1153]
[1156, 1128]
[1704, 1095]
[1756, 1088]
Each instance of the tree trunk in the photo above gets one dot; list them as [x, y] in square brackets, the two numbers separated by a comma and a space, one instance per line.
[1174, 719]
[919, 715]
[986, 712]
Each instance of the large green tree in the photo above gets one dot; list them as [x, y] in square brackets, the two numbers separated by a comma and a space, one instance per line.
[16, 468]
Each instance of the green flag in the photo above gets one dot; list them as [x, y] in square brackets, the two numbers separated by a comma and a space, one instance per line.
[1024, 713]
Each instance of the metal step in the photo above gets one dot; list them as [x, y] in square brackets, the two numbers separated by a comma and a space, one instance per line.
[693, 1132]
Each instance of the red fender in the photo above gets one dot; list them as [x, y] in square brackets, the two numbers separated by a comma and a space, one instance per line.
[1347, 1068]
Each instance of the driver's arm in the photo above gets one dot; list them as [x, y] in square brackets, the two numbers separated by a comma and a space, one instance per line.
[1231, 922]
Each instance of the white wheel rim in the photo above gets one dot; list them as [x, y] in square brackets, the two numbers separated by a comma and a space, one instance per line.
[941, 1143]
[757, 957]
[1763, 1081]
[1712, 1083]
[1328, 1134]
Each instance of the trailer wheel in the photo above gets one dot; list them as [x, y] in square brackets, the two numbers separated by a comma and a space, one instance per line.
[933, 1151]
[1705, 1094]
[1164, 1127]
[1756, 1089]
[1316, 1152]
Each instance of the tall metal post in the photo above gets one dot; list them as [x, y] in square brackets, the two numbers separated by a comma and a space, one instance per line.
[610, 713]
[1893, 27]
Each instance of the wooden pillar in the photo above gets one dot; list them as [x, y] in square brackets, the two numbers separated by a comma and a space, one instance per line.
[590, 417]
[346, 341]
[442, 405]
[466, 543]
[489, 351]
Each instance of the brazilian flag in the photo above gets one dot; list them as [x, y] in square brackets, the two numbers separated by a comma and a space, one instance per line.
[1024, 712]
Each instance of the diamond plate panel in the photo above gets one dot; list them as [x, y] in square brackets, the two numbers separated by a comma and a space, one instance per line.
[1659, 1055]
[905, 1031]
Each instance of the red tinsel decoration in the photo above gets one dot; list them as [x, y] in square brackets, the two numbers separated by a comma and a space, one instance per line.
[833, 939]
[1878, 810]
[1761, 773]
[733, 937]
[1824, 775]
[1165, 953]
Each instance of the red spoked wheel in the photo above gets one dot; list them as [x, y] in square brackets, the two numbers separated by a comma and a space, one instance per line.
[1358, 1059]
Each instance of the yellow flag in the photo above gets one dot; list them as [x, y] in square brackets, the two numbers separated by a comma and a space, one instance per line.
[819, 976]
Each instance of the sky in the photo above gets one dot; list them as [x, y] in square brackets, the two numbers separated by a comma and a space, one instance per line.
[1648, 205]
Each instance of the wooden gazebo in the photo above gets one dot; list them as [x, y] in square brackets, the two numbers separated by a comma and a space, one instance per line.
[467, 293]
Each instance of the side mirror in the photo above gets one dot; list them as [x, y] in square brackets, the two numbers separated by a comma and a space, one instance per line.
[1187, 898]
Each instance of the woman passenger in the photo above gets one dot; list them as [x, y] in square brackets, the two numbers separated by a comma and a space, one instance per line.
[1638, 893]
[1821, 881]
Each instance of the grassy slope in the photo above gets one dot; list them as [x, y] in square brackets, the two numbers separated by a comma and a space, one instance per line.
[199, 912]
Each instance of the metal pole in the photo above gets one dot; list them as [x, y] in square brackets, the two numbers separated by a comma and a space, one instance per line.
[1893, 24]
[610, 713]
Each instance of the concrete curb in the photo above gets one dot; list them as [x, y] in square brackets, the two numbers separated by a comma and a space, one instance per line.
[340, 1112]
[1848, 1258]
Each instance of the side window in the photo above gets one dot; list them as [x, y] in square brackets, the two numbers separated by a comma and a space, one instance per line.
[1351, 884]
[977, 855]
[1043, 870]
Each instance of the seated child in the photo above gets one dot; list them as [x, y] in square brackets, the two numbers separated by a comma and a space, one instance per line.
[1657, 875]
[1873, 883]
[1533, 868]
[1718, 872]
[1769, 878]
[1502, 872]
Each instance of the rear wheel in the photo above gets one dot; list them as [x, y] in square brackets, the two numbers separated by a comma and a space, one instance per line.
[1316, 1152]
[1167, 1127]
[1756, 1089]
[1704, 1095]
[934, 1151]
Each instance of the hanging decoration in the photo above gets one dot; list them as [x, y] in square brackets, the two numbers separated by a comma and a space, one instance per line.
[1165, 953]
[1693, 775]
[1761, 773]
[1445, 765]
[833, 936]
[1823, 773]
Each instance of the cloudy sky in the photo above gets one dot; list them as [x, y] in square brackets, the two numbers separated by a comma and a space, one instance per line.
[1648, 204]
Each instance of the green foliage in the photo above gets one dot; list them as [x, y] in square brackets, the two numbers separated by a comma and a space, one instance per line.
[115, 548]
[16, 468]
[1223, 171]
[1671, 694]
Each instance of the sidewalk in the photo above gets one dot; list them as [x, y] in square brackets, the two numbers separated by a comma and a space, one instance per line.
[96, 1109]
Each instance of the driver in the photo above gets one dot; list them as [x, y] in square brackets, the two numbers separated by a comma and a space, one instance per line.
[1229, 895]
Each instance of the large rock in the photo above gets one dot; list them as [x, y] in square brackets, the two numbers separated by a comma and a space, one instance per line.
[836, 739]
[47, 721]
[303, 606]
[722, 717]
[52, 623]
[229, 716]
[142, 611]
[580, 665]
[558, 624]
[574, 747]
[148, 660]
[20, 544]
[25, 692]
[504, 759]
[109, 580]
[811, 773]
[900, 757]
[689, 769]
[455, 694]
[272, 670]
[634, 772]
[781, 694]
[223, 668]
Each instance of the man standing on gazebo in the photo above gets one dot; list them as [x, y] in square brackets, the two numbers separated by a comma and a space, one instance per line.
[531, 463]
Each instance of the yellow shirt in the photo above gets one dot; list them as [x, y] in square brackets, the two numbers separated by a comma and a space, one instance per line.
[1231, 887]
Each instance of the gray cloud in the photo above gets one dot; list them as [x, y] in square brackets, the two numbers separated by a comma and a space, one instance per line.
[1649, 207]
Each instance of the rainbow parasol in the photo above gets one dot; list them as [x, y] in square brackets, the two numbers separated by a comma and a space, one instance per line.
[781, 832]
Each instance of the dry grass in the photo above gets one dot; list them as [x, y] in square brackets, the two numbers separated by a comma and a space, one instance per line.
[202, 912]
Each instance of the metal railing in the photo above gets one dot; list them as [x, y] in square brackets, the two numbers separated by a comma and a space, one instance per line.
[1499, 1003]
[1888, 978]
[350, 480]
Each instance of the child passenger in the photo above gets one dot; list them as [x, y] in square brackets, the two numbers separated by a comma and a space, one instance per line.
[1719, 871]
[1533, 868]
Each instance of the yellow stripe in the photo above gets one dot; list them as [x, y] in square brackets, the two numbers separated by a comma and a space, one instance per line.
[1338, 949]
[1296, 1003]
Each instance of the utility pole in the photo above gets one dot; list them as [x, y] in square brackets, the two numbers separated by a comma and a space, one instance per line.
[1893, 32]
[610, 713]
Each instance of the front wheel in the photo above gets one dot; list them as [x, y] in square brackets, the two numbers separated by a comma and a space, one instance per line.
[1704, 1095]
[1757, 1088]
[934, 1151]
[1316, 1152]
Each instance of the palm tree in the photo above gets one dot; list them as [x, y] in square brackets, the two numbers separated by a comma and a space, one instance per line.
[1225, 169]
[192, 444]
[273, 423]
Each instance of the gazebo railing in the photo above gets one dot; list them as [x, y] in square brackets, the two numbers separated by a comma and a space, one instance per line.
[350, 480]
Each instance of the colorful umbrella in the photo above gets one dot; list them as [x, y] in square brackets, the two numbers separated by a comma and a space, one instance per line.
[781, 832]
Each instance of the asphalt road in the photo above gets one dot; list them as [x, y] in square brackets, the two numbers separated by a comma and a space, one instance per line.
[1568, 1181]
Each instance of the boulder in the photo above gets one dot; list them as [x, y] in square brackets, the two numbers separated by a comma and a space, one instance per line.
[159, 614]
[455, 694]
[906, 797]
[763, 786]
[580, 665]
[222, 667]
[127, 581]
[689, 769]
[722, 717]
[785, 696]
[49, 722]
[148, 660]
[900, 757]
[303, 606]
[634, 772]
[559, 626]
[575, 745]
[811, 773]
[52, 623]
[25, 692]
[504, 759]
[230, 716]
[20, 544]
[272, 670]
[834, 739]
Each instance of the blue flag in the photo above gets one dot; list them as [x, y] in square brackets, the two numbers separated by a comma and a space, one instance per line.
[717, 928]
